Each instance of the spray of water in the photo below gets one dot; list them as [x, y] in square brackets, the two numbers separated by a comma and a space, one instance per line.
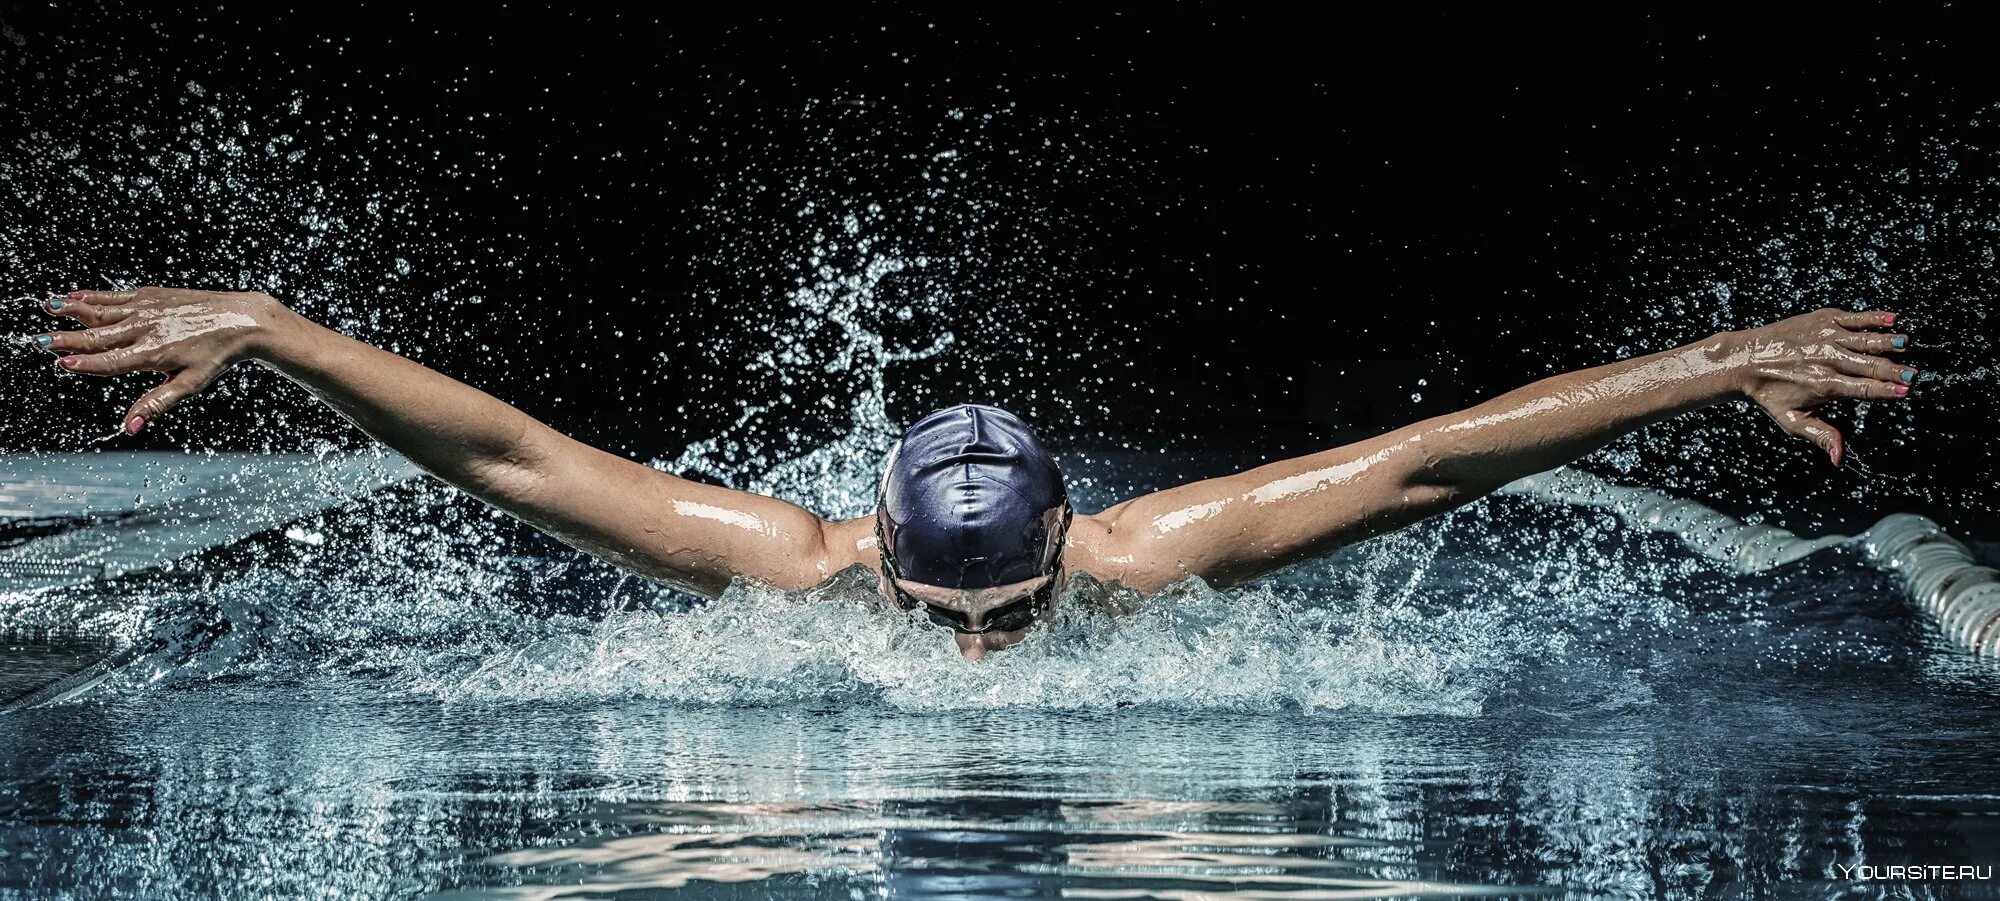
[1916, 238]
[438, 597]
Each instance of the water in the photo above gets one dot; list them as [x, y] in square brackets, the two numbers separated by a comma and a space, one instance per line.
[415, 696]
[1512, 699]
[322, 790]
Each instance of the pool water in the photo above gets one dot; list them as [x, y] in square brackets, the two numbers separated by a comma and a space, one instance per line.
[414, 697]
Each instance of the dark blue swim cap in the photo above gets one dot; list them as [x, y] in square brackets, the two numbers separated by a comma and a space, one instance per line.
[971, 500]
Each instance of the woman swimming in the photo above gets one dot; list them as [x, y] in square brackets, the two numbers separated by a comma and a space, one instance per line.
[973, 524]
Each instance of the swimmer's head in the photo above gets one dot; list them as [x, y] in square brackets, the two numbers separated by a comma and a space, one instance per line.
[971, 518]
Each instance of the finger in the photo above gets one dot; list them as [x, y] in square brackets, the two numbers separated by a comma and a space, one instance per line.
[1864, 319]
[1814, 429]
[117, 361]
[79, 310]
[106, 298]
[1873, 342]
[1872, 367]
[1863, 389]
[90, 340]
[110, 315]
[164, 396]
[88, 313]
[105, 307]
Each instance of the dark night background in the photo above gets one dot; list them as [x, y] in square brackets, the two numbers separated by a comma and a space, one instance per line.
[1208, 226]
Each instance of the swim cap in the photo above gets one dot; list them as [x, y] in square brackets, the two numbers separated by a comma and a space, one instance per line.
[970, 499]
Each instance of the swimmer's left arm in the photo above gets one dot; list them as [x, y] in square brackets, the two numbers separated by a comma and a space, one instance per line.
[1235, 528]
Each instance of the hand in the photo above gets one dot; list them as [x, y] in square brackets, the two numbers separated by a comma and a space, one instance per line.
[192, 336]
[1791, 366]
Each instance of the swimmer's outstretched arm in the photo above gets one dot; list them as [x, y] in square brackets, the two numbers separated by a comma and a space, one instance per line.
[678, 531]
[1238, 527]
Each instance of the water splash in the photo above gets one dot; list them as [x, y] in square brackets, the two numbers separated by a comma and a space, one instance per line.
[1190, 647]
[969, 256]
[1859, 234]
[838, 477]
[1501, 603]
[943, 263]
[199, 188]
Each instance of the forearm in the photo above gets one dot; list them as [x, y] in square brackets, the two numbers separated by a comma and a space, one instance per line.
[1559, 419]
[455, 431]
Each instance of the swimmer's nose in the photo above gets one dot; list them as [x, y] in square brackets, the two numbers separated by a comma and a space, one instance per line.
[972, 646]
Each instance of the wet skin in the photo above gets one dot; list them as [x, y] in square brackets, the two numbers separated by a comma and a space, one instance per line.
[1225, 530]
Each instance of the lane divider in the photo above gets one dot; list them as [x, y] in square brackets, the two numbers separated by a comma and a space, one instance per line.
[1936, 570]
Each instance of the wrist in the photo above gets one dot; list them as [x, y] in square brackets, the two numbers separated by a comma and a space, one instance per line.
[279, 333]
[1727, 358]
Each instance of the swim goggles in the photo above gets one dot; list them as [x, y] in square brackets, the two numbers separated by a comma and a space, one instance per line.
[1013, 616]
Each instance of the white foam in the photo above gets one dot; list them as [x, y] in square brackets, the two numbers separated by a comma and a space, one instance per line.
[1191, 647]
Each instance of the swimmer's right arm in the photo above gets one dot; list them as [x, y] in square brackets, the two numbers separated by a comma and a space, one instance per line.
[678, 531]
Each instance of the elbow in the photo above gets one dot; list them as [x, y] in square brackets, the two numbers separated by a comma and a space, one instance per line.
[1426, 498]
[1444, 477]
[513, 475]
[498, 480]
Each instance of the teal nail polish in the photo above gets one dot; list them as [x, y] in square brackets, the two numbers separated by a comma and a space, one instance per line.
[1909, 375]
[55, 303]
[1898, 343]
[45, 340]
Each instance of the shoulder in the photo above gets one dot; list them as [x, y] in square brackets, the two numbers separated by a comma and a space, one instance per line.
[1094, 546]
[851, 541]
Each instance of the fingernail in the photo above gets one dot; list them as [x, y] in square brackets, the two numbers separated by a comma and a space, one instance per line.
[1902, 390]
[44, 340]
[55, 303]
[76, 295]
[1898, 342]
[136, 423]
[1909, 375]
[67, 362]
[1889, 319]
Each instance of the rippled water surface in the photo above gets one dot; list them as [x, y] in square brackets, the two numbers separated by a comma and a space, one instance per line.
[414, 697]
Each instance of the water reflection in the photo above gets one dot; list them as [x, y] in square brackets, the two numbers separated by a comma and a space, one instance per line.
[992, 845]
[271, 789]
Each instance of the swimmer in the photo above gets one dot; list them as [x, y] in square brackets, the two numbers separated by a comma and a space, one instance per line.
[973, 526]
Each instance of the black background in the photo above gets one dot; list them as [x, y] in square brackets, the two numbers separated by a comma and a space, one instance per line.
[1211, 226]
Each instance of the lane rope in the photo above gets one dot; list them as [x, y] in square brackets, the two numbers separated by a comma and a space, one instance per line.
[1936, 571]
